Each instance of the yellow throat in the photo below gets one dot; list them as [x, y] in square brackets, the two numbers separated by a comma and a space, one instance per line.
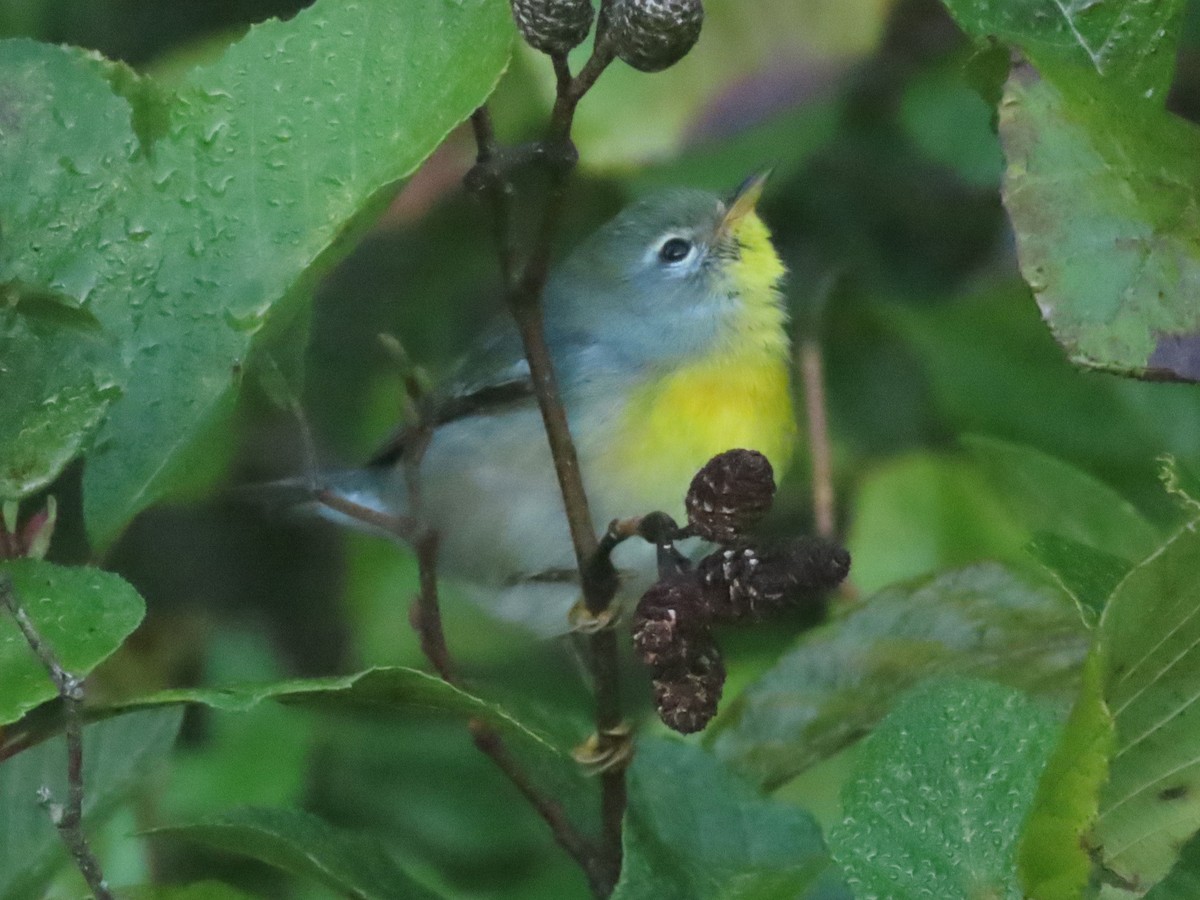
[735, 395]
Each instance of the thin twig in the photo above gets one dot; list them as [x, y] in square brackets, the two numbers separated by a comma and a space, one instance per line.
[68, 818]
[489, 742]
[613, 792]
[426, 618]
[404, 527]
[524, 297]
[812, 372]
[497, 189]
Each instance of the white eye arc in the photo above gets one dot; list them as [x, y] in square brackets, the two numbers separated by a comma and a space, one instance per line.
[675, 250]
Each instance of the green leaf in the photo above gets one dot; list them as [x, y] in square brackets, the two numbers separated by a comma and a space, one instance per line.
[1087, 575]
[925, 512]
[842, 678]
[939, 793]
[1102, 194]
[380, 689]
[1183, 881]
[173, 226]
[1047, 494]
[695, 832]
[198, 890]
[1150, 632]
[969, 350]
[256, 759]
[83, 614]
[1053, 859]
[1180, 483]
[118, 754]
[59, 374]
[443, 807]
[1123, 41]
[952, 125]
[300, 843]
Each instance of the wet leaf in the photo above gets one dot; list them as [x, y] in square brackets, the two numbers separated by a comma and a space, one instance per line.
[380, 689]
[83, 614]
[694, 832]
[183, 222]
[1151, 637]
[305, 845]
[939, 793]
[841, 679]
[1102, 193]
[118, 755]
[1122, 41]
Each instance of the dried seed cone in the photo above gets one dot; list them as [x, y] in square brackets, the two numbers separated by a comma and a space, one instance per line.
[553, 26]
[746, 583]
[686, 699]
[730, 494]
[668, 626]
[652, 35]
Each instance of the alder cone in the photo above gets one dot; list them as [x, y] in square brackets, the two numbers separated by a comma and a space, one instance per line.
[652, 35]
[729, 495]
[686, 699]
[745, 583]
[668, 626]
[553, 26]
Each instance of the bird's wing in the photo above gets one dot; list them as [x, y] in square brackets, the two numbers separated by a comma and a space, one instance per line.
[492, 377]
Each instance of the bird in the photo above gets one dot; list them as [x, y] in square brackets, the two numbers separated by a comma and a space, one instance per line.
[668, 334]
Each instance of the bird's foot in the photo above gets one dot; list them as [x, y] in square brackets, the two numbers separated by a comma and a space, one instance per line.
[583, 621]
[606, 751]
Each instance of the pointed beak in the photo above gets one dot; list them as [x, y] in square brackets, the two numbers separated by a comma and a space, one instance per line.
[744, 200]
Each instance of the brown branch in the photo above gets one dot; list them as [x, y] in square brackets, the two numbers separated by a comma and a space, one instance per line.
[67, 818]
[813, 376]
[524, 300]
[427, 611]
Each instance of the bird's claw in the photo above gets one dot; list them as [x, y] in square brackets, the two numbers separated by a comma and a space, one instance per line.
[606, 751]
[583, 621]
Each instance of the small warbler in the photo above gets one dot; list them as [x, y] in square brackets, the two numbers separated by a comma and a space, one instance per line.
[667, 333]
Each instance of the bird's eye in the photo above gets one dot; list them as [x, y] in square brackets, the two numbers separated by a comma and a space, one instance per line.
[675, 250]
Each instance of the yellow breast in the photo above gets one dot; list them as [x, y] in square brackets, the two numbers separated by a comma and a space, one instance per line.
[737, 394]
[674, 425]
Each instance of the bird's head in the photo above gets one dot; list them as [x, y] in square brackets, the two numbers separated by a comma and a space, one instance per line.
[683, 268]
